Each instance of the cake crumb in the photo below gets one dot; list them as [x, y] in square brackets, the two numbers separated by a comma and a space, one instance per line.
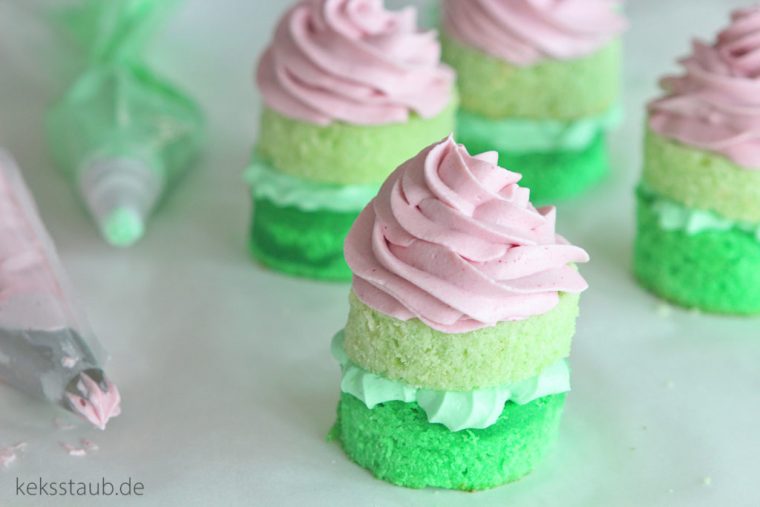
[707, 481]
[86, 447]
[73, 451]
[664, 310]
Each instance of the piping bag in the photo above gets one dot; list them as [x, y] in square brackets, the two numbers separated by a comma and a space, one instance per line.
[122, 134]
[47, 348]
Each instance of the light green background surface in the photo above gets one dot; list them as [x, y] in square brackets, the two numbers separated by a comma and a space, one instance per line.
[230, 407]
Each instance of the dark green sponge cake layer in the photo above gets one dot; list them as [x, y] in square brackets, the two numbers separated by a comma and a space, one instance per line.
[716, 271]
[559, 175]
[396, 443]
[301, 243]
[552, 175]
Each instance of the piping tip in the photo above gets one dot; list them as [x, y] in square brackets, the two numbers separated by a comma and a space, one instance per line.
[122, 227]
[93, 397]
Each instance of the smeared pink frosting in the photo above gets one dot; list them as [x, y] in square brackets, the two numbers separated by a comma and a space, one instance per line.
[715, 105]
[353, 61]
[525, 32]
[9, 455]
[96, 405]
[453, 240]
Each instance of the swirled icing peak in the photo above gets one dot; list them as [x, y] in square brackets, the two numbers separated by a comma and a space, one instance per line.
[353, 61]
[525, 32]
[452, 239]
[715, 104]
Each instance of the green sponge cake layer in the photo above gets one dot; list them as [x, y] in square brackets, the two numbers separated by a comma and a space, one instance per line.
[699, 179]
[347, 154]
[552, 175]
[396, 443]
[559, 175]
[417, 355]
[713, 270]
[301, 243]
[565, 90]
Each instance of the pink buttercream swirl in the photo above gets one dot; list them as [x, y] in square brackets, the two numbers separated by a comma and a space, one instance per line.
[715, 105]
[453, 240]
[353, 61]
[525, 32]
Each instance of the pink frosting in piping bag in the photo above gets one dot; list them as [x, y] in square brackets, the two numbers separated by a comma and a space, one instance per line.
[452, 239]
[48, 346]
[353, 61]
[525, 32]
[27, 280]
[715, 105]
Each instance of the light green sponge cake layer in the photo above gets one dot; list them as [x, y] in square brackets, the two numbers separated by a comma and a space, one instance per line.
[347, 154]
[417, 355]
[699, 179]
[565, 90]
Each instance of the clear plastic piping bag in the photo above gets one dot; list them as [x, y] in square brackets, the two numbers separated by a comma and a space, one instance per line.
[122, 134]
[47, 348]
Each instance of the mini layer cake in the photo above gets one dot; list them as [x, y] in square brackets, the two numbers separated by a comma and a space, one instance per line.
[350, 90]
[539, 82]
[698, 241]
[463, 307]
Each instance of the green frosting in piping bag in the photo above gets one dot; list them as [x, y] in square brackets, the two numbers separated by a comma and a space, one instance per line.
[121, 133]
